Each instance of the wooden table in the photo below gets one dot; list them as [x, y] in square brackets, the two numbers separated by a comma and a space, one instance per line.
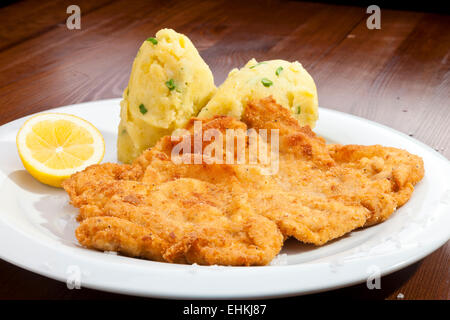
[397, 76]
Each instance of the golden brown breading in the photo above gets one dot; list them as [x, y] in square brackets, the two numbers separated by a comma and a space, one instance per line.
[182, 220]
[386, 176]
[233, 214]
[374, 179]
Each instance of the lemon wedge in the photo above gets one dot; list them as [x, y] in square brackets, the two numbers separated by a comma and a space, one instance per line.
[53, 146]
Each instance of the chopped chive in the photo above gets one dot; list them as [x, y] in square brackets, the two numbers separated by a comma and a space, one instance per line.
[170, 84]
[257, 65]
[143, 109]
[152, 40]
[278, 71]
[124, 131]
[266, 82]
[299, 109]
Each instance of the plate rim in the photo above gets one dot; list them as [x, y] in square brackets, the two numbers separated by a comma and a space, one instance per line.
[431, 245]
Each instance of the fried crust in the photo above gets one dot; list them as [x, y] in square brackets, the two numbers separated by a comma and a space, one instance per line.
[228, 214]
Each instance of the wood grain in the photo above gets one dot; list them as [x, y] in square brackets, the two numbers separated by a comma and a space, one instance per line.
[397, 76]
[29, 21]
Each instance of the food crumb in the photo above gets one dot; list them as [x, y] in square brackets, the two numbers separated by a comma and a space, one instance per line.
[193, 268]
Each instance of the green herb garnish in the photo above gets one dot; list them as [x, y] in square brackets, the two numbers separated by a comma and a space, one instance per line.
[170, 84]
[257, 65]
[152, 40]
[278, 71]
[143, 109]
[299, 109]
[266, 82]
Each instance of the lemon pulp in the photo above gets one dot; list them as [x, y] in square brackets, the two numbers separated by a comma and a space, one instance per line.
[53, 146]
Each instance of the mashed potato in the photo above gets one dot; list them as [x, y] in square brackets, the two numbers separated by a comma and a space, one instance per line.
[169, 83]
[289, 83]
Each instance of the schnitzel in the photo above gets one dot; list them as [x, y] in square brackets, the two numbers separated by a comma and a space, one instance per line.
[371, 179]
[234, 214]
[237, 214]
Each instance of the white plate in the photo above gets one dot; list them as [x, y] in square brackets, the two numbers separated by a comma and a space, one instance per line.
[37, 228]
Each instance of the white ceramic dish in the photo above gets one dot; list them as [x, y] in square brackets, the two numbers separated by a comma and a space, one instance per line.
[37, 228]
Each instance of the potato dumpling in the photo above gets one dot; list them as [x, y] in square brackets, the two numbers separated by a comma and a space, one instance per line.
[289, 84]
[169, 83]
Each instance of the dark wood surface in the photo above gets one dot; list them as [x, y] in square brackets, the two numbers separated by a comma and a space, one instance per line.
[397, 76]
